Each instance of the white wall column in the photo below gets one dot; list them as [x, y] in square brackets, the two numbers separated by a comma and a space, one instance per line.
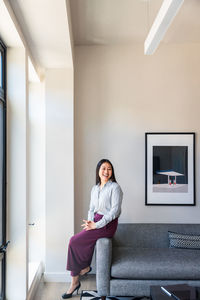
[59, 171]
[17, 188]
[36, 177]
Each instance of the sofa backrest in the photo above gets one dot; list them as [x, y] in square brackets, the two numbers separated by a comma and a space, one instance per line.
[149, 235]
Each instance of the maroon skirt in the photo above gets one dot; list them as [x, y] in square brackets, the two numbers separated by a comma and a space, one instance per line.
[81, 245]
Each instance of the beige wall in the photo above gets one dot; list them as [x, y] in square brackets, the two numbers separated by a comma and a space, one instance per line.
[119, 95]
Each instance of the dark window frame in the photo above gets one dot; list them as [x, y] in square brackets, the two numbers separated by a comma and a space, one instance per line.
[3, 101]
[3, 88]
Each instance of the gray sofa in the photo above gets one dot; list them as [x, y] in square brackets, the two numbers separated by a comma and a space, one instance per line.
[139, 256]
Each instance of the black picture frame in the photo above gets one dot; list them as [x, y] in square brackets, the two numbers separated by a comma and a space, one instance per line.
[170, 168]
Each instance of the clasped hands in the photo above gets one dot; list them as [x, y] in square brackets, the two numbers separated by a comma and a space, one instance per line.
[88, 225]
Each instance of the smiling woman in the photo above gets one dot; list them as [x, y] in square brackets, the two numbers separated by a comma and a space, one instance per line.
[104, 172]
[105, 208]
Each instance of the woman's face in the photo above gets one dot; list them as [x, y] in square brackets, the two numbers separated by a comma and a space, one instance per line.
[105, 172]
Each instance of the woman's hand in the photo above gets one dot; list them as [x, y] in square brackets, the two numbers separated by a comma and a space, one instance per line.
[88, 225]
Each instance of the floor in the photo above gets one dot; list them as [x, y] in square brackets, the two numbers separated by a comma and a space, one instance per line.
[53, 291]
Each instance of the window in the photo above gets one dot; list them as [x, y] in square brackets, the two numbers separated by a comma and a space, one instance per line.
[1, 57]
[2, 167]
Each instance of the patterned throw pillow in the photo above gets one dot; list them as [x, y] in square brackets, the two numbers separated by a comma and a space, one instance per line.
[184, 241]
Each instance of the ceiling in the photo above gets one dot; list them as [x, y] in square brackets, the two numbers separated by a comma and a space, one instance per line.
[108, 22]
[46, 25]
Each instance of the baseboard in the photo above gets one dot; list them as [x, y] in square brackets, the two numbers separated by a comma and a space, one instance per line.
[35, 283]
[57, 277]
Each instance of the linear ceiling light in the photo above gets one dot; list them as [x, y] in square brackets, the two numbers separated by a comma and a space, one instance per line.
[165, 16]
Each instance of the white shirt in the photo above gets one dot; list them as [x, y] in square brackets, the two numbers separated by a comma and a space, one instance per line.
[106, 201]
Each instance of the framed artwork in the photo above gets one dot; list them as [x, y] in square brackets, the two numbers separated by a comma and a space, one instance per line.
[169, 168]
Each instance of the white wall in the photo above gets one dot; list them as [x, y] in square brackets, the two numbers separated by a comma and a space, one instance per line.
[26, 164]
[25, 175]
[36, 172]
[119, 95]
[59, 170]
[17, 170]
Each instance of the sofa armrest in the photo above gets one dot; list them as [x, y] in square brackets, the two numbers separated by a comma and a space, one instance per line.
[103, 265]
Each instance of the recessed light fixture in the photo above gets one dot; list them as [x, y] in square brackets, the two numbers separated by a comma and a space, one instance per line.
[165, 16]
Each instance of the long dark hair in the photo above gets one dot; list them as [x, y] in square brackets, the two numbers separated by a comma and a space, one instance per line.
[102, 161]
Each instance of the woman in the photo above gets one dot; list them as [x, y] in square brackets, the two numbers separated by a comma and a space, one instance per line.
[105, 208]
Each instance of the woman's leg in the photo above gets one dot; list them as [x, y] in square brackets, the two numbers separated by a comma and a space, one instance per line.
[85, 270]
[81, 247]
[80, 251]
[74, 284]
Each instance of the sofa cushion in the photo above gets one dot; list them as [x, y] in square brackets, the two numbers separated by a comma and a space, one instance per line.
[184, 241]
[149, 235]
[151, 263]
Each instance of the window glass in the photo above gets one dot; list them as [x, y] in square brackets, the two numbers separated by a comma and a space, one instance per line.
[1, 84]
[1, 167]
[1, 280]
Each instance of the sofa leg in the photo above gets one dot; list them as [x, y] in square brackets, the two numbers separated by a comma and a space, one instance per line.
[103, 297]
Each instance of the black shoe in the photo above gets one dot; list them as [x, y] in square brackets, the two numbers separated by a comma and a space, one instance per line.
[90, 269]
[67, 296]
